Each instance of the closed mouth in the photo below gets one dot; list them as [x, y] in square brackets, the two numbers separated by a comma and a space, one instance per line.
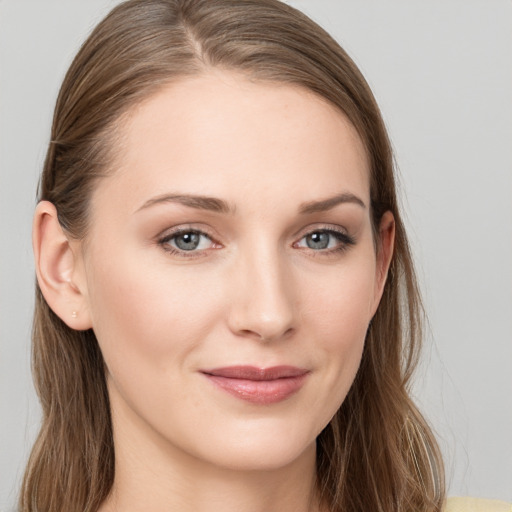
[258, 385]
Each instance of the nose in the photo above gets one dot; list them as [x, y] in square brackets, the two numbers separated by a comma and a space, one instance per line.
[262, 303]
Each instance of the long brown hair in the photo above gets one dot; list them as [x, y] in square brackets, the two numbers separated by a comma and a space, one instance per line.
[377, 454]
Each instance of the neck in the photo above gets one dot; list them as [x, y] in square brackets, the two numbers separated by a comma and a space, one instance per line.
[219, 491]
[143, 484]
[151, 474]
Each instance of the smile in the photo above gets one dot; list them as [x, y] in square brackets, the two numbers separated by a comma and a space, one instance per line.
[258, 385]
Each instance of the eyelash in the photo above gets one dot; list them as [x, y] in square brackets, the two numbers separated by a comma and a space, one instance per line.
[164, 242]
[345, 241]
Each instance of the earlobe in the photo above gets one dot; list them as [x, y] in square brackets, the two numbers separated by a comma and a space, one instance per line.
[385, 247]
[57, 269]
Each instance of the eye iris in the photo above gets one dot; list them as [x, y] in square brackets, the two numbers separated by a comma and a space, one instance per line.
[187, 241]
[318, 240]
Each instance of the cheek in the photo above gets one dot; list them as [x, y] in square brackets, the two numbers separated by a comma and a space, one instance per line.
[338, 315]
[340, 305]
[142, 313]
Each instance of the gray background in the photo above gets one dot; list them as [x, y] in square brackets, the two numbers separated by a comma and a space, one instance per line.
[442, 73]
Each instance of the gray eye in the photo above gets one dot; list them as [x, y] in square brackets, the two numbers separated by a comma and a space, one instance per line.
[318, 240]
[187, 241]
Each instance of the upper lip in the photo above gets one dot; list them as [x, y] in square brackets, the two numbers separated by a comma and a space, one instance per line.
[255, 373]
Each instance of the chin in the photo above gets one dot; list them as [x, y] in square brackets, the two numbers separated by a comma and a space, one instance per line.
[265, 447]
[263, 458]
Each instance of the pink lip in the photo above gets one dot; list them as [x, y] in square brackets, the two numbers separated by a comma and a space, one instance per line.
[258, 385]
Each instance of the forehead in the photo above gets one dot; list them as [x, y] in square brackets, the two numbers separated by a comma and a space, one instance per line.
[221, 134]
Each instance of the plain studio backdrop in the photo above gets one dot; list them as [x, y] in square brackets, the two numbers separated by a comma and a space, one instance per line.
[442, 73]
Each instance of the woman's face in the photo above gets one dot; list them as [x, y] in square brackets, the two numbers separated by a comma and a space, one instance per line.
[230, 271]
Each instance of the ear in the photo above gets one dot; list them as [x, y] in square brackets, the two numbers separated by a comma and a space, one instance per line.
[58, 268]
[385, 247]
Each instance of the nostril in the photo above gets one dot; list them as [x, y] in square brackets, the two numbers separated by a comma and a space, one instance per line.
[288, 332]
[267, 336]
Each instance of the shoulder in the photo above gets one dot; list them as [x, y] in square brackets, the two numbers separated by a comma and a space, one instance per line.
[476, 505]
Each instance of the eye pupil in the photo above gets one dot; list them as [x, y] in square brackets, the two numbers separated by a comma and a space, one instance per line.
[187, 241]
[318, 240]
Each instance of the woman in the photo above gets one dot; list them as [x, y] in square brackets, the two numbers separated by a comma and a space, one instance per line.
[222, 274]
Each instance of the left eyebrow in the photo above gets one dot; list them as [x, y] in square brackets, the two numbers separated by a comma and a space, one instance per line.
[329, 203]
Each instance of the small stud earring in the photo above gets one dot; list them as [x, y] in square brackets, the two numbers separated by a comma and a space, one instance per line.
[73, 315]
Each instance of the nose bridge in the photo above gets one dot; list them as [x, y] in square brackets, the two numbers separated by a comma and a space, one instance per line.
[263, 305]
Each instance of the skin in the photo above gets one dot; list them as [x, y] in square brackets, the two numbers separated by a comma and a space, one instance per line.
[254, 292]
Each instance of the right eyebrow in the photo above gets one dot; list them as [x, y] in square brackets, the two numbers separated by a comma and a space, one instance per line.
[212, 204]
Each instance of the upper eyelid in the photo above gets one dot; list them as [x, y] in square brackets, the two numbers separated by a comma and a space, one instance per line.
[174, 231]
[174, 234]
[341, 235]
[321, 227]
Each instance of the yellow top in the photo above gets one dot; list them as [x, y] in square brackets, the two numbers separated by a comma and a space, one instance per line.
[476, 505]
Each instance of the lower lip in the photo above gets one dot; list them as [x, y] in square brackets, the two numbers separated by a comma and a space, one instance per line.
[260, 392]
